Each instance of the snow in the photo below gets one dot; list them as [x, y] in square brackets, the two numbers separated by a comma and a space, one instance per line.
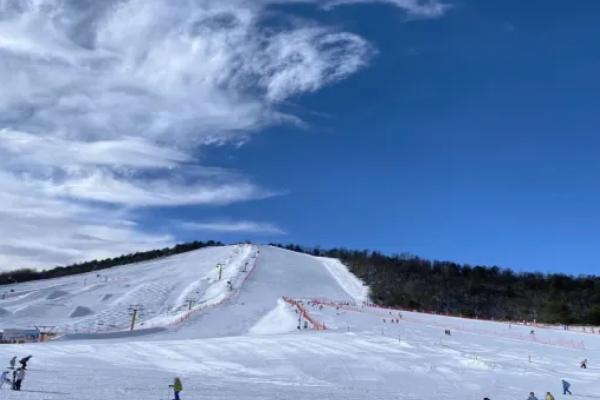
[56, 294]
[348, 281]
[100, 301]
[81, 311]
[281, 319]
[244, 343]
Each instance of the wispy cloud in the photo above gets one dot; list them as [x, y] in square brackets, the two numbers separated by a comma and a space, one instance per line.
[415, 8]
[106, 104]
[250, 227]
[38, 230]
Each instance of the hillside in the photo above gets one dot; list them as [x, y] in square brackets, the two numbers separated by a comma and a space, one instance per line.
[414, 283]
[183, 288]
[245, 343]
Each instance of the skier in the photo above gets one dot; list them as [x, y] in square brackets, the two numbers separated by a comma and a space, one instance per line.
[177, 387]
[532, 396]
[23, 361]
[549, 396]
[19, 376]
[583, 364]
[12, 362]
[4, 378]
[566, 385]
[230, 286]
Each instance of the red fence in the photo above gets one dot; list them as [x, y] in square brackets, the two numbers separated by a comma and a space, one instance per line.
[316, 325]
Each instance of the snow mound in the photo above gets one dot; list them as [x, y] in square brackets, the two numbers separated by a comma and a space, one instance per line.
[80, 311]
[279, 320]
[56, 294]
[4, 311]
[106, 296]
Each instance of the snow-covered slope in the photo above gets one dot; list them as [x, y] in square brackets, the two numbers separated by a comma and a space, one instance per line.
[277, 273]
[182, 294]
[244, 343]
[101, 301]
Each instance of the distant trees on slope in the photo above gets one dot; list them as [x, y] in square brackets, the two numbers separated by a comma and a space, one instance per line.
[24, 275]
[414, 283]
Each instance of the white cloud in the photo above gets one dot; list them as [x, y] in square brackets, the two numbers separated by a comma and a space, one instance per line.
[234, 227]
[415, 8]
[106, 105]
[169, 191]
[41, 231]
[27, 149]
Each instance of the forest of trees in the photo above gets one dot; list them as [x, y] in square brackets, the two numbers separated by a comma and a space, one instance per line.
[24, 275]
[412, 283]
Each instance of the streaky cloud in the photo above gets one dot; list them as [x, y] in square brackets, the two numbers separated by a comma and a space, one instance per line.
[107, 105]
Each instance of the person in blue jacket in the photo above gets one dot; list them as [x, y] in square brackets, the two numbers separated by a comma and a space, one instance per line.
[566, 385]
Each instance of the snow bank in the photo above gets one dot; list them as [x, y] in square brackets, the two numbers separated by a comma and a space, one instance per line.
[279, 320]
[347, 280]
[112, 335]
[80, 311]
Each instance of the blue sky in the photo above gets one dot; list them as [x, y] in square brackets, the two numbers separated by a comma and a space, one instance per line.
[464, 131]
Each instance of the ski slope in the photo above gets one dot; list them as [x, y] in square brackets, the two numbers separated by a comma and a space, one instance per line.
[100, 301]
[245, 343]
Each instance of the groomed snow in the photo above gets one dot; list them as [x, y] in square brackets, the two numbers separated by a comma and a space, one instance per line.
[348, 281]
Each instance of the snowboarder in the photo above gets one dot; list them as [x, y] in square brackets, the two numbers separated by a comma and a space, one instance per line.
[177, 387]
[532, 396]
[566, 385]
[12, 362]
[4, 378]
[583, 364]
[19, 376]
[549, 396]
[23, 361]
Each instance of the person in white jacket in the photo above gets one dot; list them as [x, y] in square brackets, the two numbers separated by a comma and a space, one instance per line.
[4, 379]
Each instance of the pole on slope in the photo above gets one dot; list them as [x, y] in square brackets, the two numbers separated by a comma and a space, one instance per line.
[134, 310]
[133, 315]
[190, 301]
[220, 269]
